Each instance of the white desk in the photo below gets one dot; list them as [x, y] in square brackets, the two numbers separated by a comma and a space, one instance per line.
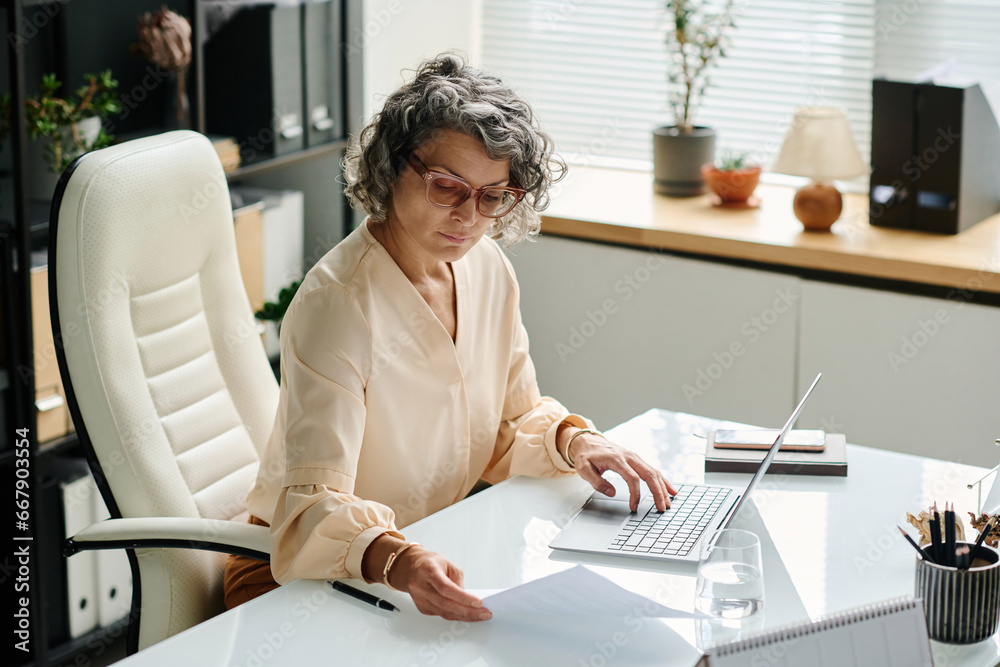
[836, 538]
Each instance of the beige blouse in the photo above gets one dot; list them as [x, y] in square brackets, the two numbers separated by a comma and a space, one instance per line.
[382, 418]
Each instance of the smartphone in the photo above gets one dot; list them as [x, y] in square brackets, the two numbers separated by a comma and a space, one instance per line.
[795, 441]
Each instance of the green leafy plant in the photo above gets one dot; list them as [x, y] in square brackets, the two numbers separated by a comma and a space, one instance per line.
[275, 311]
[54, 119]
[695, 41]
[733, 161]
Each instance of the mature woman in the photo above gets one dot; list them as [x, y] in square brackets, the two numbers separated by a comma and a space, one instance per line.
[405, 368]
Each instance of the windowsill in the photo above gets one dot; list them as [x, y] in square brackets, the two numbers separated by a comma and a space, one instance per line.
[619, 206]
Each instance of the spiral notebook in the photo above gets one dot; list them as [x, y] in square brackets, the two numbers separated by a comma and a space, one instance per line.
[890, 634]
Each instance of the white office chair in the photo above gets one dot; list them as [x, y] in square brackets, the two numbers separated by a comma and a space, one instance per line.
[166, 379]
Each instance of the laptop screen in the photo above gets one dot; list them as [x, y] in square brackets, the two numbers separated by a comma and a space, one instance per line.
[771, 453]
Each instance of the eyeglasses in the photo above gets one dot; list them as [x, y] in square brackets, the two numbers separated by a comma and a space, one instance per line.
[447, 191]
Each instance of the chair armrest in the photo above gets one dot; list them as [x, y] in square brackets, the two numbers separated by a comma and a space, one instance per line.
[230, 537]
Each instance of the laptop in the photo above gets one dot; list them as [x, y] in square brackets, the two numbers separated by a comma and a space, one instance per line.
[606, 526]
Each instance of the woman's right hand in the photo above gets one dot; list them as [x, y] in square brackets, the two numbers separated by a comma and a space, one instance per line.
[435, 584]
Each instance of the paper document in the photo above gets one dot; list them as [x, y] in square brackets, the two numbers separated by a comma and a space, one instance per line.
[576, 591]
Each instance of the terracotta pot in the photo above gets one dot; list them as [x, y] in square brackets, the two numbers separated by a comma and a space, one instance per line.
[733, 185]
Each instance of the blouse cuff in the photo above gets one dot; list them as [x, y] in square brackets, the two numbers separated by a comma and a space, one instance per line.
[358, 546]
[558, 460]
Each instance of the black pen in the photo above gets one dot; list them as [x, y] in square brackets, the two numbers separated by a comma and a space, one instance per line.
[361, 595]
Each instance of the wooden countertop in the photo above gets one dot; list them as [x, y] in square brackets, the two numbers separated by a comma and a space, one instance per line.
[619, 206]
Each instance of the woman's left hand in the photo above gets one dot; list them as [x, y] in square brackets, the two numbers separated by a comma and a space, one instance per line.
[594, 455]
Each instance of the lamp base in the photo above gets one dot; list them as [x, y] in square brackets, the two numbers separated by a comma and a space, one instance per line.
[818, 206]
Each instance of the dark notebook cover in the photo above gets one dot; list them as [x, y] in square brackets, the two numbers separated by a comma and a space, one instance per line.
[831, 461]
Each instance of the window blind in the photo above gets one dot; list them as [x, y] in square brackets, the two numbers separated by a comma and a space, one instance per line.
[913, 36]
[595, 70]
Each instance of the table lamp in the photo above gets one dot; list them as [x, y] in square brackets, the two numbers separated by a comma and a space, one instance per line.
[819, 145]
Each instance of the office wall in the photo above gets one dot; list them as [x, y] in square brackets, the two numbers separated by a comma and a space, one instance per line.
[398, 34]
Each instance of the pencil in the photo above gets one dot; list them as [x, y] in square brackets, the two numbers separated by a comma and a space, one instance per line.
[949, 535]
[920, 552]
[979, 542]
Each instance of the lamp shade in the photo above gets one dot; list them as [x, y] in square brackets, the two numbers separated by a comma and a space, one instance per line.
[819, 144]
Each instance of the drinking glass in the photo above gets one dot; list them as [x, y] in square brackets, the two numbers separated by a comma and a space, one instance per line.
[730, 581]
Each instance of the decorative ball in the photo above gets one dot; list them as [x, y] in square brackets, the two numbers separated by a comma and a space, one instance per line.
[817, 206]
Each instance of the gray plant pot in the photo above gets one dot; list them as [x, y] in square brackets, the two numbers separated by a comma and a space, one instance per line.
[677, 160]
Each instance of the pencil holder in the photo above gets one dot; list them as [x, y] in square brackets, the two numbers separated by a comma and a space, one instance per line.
[962, 606]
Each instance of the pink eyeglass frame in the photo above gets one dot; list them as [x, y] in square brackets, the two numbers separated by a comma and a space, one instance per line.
[429, 175]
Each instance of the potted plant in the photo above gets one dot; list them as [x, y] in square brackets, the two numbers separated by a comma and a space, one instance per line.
[732, 178]
[695, 41]
[275, 311]
[271, 314]
[66, 127]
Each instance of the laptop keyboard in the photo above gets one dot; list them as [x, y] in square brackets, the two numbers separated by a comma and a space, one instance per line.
[675, 531]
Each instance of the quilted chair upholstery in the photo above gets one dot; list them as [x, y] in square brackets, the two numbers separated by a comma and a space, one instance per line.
[167, 381]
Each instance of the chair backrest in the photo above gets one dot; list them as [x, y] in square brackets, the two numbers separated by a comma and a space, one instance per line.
[168, 382]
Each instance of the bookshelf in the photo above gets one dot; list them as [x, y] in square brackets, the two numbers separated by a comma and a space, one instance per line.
[71, 39]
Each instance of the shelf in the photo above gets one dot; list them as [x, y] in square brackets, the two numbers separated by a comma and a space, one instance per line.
[24, 228]
[283, 161]
[58, 446]
[771, 235]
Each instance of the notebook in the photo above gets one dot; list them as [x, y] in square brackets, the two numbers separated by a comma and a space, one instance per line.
[607, 526]
[831, 461]
[889, 634]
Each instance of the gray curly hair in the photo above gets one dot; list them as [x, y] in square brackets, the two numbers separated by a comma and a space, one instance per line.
[447, 94]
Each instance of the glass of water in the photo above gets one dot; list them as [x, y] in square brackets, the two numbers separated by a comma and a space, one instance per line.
[730, 580]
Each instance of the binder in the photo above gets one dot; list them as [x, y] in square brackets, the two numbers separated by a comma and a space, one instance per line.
[322, 117]
[893, 127]
[52, 417]
[892, 633]
[78, 490]
[253, 78]
[283, 243]
[114, 575]
[51, 561]
[935, 155]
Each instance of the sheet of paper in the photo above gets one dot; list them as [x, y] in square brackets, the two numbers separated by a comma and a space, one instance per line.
[577, 591]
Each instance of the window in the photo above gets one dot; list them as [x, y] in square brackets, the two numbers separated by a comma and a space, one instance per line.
[595, 70]
[913, 36]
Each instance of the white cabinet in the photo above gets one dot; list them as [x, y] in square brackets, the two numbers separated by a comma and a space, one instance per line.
[913, 374]
[616, 331]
